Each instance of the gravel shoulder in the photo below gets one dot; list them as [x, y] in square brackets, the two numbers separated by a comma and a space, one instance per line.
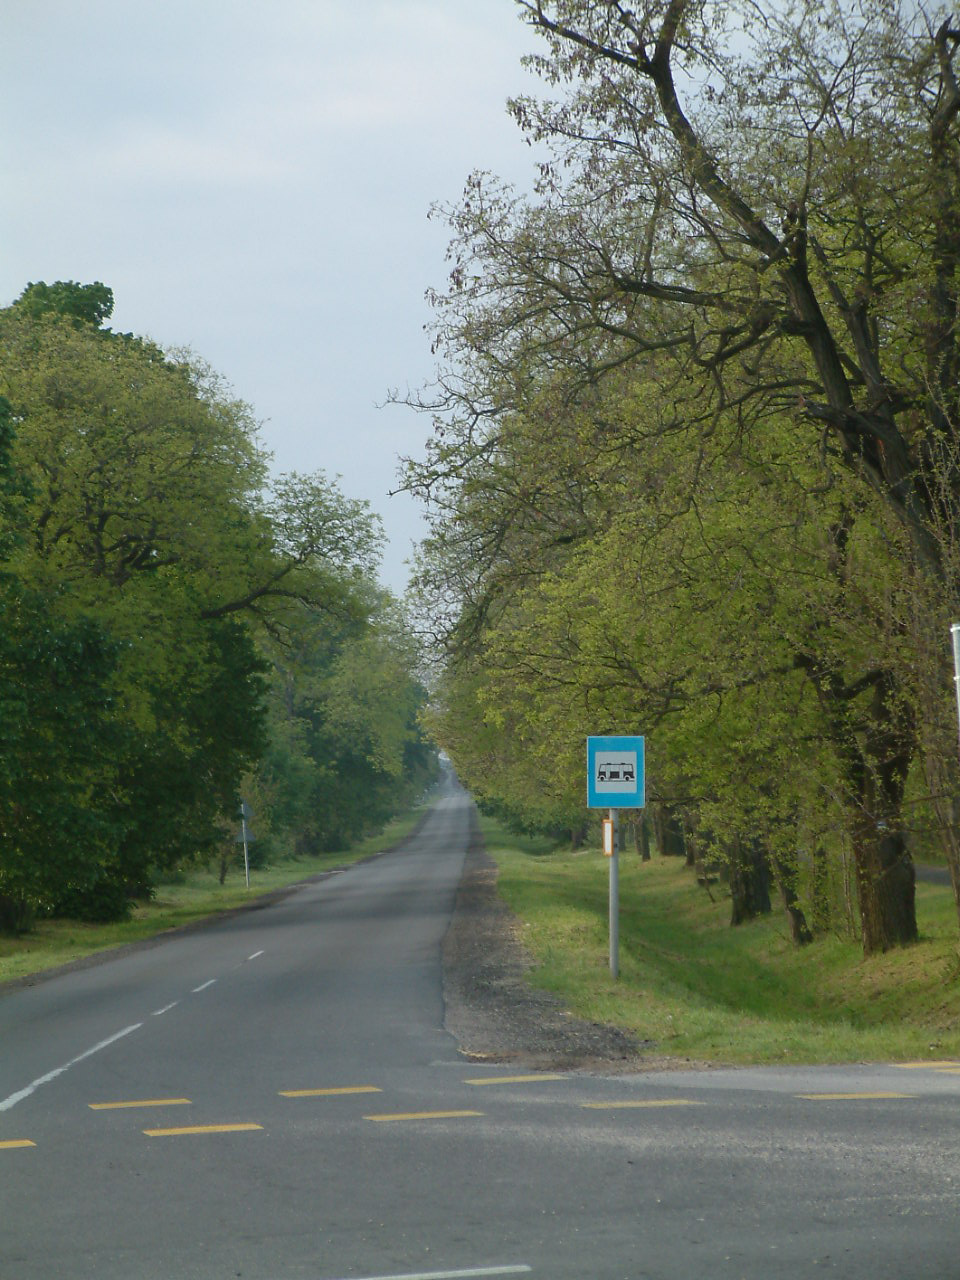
[493, 1011]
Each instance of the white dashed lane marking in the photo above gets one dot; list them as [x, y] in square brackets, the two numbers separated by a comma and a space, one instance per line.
[19, 1096]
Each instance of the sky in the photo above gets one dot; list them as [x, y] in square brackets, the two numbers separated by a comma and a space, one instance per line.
[253, 182]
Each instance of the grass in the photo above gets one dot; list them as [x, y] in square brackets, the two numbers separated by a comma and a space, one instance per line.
[704, 991]
[196, 895]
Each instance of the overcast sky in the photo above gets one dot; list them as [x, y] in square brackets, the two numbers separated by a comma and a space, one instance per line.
[253, 180]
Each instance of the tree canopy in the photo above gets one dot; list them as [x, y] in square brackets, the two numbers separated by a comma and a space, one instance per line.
[695, 466]
[156, 581]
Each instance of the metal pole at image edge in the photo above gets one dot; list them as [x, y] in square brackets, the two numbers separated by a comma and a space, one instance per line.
[955, 636]
[615, 895]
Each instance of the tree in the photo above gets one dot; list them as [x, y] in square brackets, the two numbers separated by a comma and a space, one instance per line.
[763, 205]
[83, 303]
[154, 546]
[347, 750]
[59, 732]
[629, 597]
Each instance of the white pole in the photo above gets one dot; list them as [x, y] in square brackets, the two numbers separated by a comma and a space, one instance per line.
[246, 856]
[955, 636]
[615, 896]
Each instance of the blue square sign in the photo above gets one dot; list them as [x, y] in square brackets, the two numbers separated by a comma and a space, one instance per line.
[615, 774]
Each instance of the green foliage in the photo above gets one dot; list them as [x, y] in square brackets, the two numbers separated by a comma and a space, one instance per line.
[151, 575]
[696, 466]
[346, 749]
[59, 732]
[60, 742]
[82, 303]
[207, 727]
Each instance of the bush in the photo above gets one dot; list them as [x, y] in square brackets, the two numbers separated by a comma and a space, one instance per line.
[102, 902]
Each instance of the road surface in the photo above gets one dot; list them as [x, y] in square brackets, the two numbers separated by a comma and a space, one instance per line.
[275, 1097]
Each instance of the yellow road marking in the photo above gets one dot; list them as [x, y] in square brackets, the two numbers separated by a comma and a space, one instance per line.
[10, 1143]
[329, 1093]
[851, 1097]
[947, 1071]
[201, 1128]
[646, 1102]
[514, 1079]
[928, 1066]
[425, 1115]
[145, 1102]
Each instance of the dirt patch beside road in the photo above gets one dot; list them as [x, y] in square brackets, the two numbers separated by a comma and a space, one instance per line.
[491, 1008]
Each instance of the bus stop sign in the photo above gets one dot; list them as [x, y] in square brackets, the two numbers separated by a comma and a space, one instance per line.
[615, 775]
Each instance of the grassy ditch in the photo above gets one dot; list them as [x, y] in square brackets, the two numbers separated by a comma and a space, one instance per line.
[194, 896]
[702, 990]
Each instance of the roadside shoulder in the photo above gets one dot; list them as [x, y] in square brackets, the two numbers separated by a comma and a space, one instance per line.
[491, 1009]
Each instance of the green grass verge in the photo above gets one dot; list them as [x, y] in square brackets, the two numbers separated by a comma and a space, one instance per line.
[197, 896]
[704, 991]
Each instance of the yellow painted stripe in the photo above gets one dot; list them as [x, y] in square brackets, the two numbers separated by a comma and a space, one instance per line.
[425, 1115]
[329, 1093]
[535, 1079]
[947, 1071]
[201, 1128]
[851, 1097]
[646, 1102]
[10, 1143]
[928, 1066]
[144, 1102]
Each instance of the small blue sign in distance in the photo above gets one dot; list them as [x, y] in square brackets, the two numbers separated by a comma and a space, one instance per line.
[615, 773]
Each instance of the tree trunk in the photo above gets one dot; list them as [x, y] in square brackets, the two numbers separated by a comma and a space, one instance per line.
[886, 881]
[16, 914]
[786, 877]
[643, 838]
[885, 885]
[694, 857]
[820, 893]
[690, 843]
[749, 880]
[668, 832]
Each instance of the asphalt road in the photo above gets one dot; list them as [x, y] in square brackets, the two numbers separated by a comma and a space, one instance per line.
[275, 1097]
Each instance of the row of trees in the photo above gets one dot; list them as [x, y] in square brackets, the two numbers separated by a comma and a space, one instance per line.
[695, 469]
[174, 626]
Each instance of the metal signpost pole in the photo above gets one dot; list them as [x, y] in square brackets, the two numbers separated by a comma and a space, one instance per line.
[246, 856]
[615, 895]
[955, 637]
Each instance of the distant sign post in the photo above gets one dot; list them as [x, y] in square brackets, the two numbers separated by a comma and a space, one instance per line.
[245, 813]
[615, 781]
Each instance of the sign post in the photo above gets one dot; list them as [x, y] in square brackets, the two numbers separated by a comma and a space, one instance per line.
[245, 813]
[615, 778]
[955, 637]
[614, 821]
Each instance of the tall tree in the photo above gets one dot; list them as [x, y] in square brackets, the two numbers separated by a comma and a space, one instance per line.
[151, 525]
[347, 749]
[767, 201]
[681, 615]
[59, 734]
